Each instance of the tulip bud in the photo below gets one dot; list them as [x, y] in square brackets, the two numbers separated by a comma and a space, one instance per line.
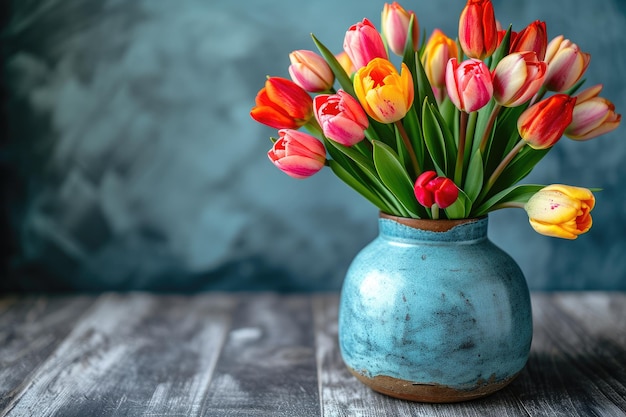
[297, 154]
[593, 116]
[478, 31]
[561, 211]
[469, 84]
[341, 117]
[363, 43]
[310, 71]
[566, 64]
[344, 61]
[517, 78]
[282, 104]
[542, 124]
[533, 37]
[395, 26]
[430, 189]
[385, 95]
[437, 52]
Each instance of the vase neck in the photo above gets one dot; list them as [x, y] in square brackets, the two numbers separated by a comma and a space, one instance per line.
[424, 230]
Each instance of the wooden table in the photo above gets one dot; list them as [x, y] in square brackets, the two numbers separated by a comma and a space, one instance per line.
[273, 355]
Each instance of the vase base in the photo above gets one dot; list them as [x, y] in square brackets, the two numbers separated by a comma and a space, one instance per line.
[430, 393]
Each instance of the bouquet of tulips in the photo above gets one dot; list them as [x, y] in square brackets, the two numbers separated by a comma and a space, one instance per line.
[453, 130]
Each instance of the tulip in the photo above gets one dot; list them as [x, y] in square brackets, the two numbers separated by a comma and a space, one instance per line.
[561, 211]
[344, 61]
[363, 43]
[430, 189]
[437, 52]
[469, 84]
[478, 31]
[310, 71]
[297, 154]
[517, 78]
[395, 26]
[533, 37]
[542, 124]
[566, 64]
[593, 116]
[282, 104]
[341, 117]
[385, 95]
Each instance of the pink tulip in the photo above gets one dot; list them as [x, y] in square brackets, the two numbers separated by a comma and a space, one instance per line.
[593, 116]
[430, 189]
[310, 71]
[517, 78]
[542, 124]
[566, 64]
[297, 154]
[395, 26]
[469, 84]
[341, 117]
[363, 43]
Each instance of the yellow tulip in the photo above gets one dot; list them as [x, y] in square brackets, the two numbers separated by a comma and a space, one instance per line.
[385, 95]
[561, 211]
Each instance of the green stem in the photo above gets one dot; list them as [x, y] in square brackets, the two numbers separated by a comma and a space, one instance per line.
[501, 167]
[458, 170]
[510, 204]
[314, 127]
[489, 127]
[409, 148]
[435, 211]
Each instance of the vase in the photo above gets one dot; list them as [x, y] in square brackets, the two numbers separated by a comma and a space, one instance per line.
[433, 311]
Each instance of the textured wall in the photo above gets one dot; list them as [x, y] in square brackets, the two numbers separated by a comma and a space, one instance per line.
[131, 161]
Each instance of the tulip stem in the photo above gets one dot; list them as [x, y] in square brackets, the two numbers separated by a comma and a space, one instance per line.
[458, 170]
[409, 148]
[435, 212]
[501, 167]
[489, 127]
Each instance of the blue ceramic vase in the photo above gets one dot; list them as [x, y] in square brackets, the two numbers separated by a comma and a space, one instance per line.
[433, 311]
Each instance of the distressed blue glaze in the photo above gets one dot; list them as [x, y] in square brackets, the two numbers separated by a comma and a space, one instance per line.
[447, 308]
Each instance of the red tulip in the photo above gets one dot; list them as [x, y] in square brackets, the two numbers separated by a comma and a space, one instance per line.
[543, 124]
[430, 189]
[478, 31]
[282, 104]
[297, 154]
[533, 37]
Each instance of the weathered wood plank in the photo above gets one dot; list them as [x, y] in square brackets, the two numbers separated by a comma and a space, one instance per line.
[132, 355]
[343, 395]
[574, 370]
[267, 367]
[30, 329]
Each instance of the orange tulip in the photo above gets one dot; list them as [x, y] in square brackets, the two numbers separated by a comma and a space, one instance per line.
[282, 104]
[561, 211]
[593, 116]
[385, 95]
[543, 124]
[478, 31]
[437, 52]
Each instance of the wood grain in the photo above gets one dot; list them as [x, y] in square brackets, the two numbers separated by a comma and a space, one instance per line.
[266, 354]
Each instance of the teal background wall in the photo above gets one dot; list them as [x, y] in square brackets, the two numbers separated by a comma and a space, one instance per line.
[129, 160]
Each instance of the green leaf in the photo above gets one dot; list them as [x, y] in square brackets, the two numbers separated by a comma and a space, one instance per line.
[474, 180]
[458, 209]
[437, 142]
[515, 194]
[340, 74]
[519, 168]
[423, 89]
[358, 186]
[412, 126]
[395, 177]
[502, 51]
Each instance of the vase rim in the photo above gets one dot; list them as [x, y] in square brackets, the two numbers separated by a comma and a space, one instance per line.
[439, 225]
